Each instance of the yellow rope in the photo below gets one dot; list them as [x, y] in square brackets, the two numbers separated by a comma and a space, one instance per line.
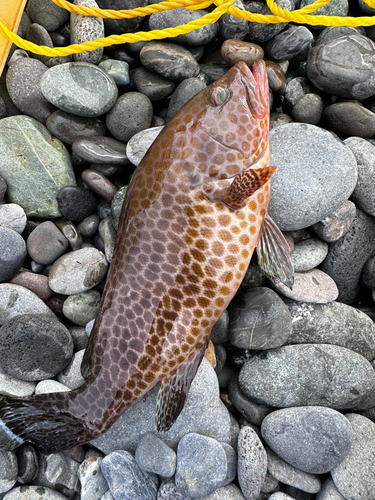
[279, 15]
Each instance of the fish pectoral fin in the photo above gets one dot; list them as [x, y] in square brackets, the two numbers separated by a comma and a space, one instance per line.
[274, 253]
[174, 391]
[243, 186]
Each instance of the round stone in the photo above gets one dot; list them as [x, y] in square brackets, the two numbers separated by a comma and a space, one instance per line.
[88, 227]
[46, 243]
[100, 150]
[82, 307]
[289, 43]
[68, 127]
[350, 118]
[187, 89]
[79, 88]
[131, 114]
[27, 464]
[329, 375]
[13, 217]
[78, 271]
[312, 438]
[34, 347]
[308, 254]
[27, 492]
[99, 184]
[75, 204]
[234, 51]
[139, 144]
[84, 29]
[308, 109]
[276, 76]
[252, 463]
[311, 286]
[12, 253]
[152, 85]
[308, 186]
[37, 283]
[118, 70]
[47, 14]
[153, 455]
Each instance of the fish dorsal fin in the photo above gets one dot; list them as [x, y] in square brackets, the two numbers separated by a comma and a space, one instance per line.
[174, 391]
[243, 186]
[274, 253]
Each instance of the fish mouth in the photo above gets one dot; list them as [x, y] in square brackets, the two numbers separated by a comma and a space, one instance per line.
[256, 85]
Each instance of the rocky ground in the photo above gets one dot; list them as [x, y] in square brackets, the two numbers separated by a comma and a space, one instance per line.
[285, 408]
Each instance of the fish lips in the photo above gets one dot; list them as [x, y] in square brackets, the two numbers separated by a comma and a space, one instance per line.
[256, 85]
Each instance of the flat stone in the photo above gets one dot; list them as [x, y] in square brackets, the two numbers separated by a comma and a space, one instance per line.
[312, 438]
[169, 60]
[350, 118]
[153, 455]
[99, 184]
[308, 186]
[12, 216]
[311, 286]
[68, 127]
[308, 254]
[118, 70]
[333, 323]
[252, 463]
[12, 253]
[17, 300]
[84, 29]
[79, 88]
[46, 243]
[335, 225]
[330, 376]
[354, 477]
[100, 150]
[82, 307]
[47, 14]
[49, 166]
[139, 143]
[77, 271]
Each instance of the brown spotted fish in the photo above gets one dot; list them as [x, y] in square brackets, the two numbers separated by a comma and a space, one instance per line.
[195, 210]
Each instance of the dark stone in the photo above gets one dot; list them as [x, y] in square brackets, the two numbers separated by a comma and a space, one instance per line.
[100, 150]
[169, 60]
[289, 43]
[12, 253]
[350, 119]
[75, 203]
[27, 459]
[186, 90]
[46, 243]
[152, 85]
[68, 127]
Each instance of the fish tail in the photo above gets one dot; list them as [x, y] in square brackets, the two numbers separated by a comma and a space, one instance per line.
[42, 421]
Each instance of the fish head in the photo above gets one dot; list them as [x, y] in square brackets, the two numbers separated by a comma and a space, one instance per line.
[226, 125]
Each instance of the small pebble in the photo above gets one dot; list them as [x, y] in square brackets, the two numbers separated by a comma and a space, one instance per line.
[152, 85]
[153, 455]
[295, 89]
[259, 32]
[252, 463]
[308, 109]
[138, 145]
[278, 119]
[93, 483]
[68, 127]
[234, 51]
[79, 337]
[334, 226]
[84, 29]
[47, 386]
[368, 273]
[108, 235]
[47, 14]
[131, 113]
[276, 76]
[311, 286]
[39, 35]
[13, 217]
[289, 43]
[15, 387]
[77, 271]
[100, 150]
[118, 70]
[82, 307]
[116, 206]
[169, 60]
[70, 232]
[99, 184]
[46, 243]
[37, 283]
[76, 204]
[12, 253]
[89, 226]
[3, 188]
[308, 254]
[187, 89]
[71, 377]
[350, 118]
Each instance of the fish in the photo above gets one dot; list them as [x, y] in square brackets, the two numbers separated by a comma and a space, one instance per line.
[194, 211]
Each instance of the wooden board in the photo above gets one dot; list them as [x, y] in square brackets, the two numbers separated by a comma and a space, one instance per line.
[10, 15]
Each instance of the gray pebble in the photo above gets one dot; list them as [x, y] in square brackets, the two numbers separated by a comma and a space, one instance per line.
[89, 226]
[17, 300]
[118, 70]
[84, 29]
[354, 477]
[259, 319]
[46, 243]
[333, 323]
[8, 470]
[12, 216]
[48, 386]
[139, 144]
[219, 332]
[259, 32]
[231, 463]
[368, 273]
[12, 253]
[290, 475]
[79, 337]
[131, 114]
[231, 27]
[49, 166]
[308, 109]
[310, 286]
[77, 271]
[71, 377]
[68, 127]
[27, 492]
[334, 8]
[252, 463]
[350, 118]
[47, 14]
[116, 206]
[82, 307]
[99, 183]
[199, 478]
[187, 89]
[295, 89]
[209, 73]
[125, 479]
[79, 88]
[347, 256]
[168, 491]
[330, 69]
[152, 85]
[329, 491]
[289, 43]
[220, 357]
[229, 492]
[100, 150]
[169, 60]
[39, 35]
[335, 225]
[280, 496]
[331, 32]
[120, 26]
[34, 347]
[330, 375]
[15, 387]
[93, 483]
[23, 81]
[108, 235]
[58, 468]
[312, 438]
[278, 119]
[364, 192]
[252, 411]
[70, 232]
[308, 254]
[153, 455]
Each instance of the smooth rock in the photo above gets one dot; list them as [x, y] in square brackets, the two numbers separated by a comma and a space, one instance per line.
[70, 232]
[330, 376]
[333, 323]
[125, 479]
[89, 226]
[120, 26]
[17, 300]
[308, 186]
[350, 118]
[278, 119]
[152, 85]
[85, 29]
[79, 88]
[27, 464]
[46, 243]
[37, 283]
[364, 192]
[34, 347]
[308, 109]
[82, 307]
[47, 14]
[47, 386]
[347, 256]
[368, 273]
[308, 254]
[219, 332]
[13, 217]
[234, 51]
[312, 438]
[23, 80]
[259, 319]
[27, 492]
[311, 286]
[138, 145]
[354, 477]
[199, 478]
[39, 35]
[331, 32]
[8, 470]
[295, 89]
[71, 377]
[259, 32]
[231, 27]
[289, 475]
[229, 492]
[15, 387]
[116, 206]
[253, 412]
[49, 166]
[118, 70]
[99, 184]
[187, 89]
[252, 463]
[68, 127]
[330, 69]
[76, 204]
[289, 43]
[329, 491]
[93, 483]
[100, 150]
[79, 337]
[58, 468]
[12, 253]
[276, 76]
[109, 236]
[334, 226]
[169, 60]
[153, 455]
[131, 113]
[77, 271]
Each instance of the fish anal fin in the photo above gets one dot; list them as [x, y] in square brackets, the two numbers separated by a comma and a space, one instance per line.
[243, 186]
[174, 391]
[274, 253]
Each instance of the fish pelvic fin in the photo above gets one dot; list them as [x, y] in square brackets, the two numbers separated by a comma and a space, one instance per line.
[174, 391]
[273, 253]
[40, 421]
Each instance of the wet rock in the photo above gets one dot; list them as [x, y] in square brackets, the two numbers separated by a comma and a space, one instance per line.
[259, 32]
[187, 89]
[334, 226]
[234, 51]
[100, 150]
[289, 43]
[139, 144]
[350, 118]
[231, 27]
[68, 127]
[169, 60]
[99, 184]
[118, 70]
[154, 86]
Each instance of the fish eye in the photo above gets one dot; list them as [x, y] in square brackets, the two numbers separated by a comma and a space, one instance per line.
[218, 96]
